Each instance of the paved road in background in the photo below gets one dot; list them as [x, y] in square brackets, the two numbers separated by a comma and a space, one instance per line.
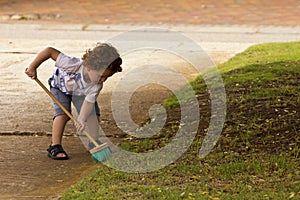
[193, 12]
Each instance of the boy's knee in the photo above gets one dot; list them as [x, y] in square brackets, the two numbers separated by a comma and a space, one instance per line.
[63, 117]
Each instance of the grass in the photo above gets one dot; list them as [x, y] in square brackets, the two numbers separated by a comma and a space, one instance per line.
[257, 155]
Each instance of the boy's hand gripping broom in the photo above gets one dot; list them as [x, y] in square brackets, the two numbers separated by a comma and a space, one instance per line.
[100, 152]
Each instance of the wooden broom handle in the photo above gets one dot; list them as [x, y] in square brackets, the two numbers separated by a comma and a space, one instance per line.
[65, 110]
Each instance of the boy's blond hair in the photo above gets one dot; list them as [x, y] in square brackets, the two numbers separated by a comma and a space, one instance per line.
[101, 57]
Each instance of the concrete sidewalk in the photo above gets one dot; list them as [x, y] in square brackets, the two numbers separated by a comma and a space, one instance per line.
[214, 39]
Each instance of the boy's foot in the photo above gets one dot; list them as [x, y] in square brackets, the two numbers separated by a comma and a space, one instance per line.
[91, 145]
[56, 152]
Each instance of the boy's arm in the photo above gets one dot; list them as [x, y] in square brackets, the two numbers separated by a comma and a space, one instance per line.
[44, 55]
[85, 112]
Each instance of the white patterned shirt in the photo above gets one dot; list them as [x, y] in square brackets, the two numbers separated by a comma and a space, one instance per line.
[68, 78]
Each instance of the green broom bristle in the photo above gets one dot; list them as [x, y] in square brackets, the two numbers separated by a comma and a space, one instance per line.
[101, 155]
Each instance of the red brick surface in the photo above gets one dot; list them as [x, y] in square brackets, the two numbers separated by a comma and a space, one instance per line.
[194, 12]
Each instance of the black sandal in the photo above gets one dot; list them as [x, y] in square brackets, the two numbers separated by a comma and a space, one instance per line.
[56, 149]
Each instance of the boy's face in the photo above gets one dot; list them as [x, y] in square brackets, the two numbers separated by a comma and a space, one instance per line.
[99, 76]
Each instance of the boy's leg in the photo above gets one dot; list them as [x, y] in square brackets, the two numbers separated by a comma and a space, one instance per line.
[93, 126]
[58, 128]
[92, 121]
[60, 119]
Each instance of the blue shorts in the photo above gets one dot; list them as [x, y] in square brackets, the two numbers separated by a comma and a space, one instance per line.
[66, 100]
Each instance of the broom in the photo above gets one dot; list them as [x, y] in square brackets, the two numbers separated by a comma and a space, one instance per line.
[99, 152]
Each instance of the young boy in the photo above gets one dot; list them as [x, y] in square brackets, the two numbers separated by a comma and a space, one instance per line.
[79, 81]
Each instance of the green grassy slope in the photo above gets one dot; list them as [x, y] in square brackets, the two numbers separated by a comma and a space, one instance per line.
[257, 155]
